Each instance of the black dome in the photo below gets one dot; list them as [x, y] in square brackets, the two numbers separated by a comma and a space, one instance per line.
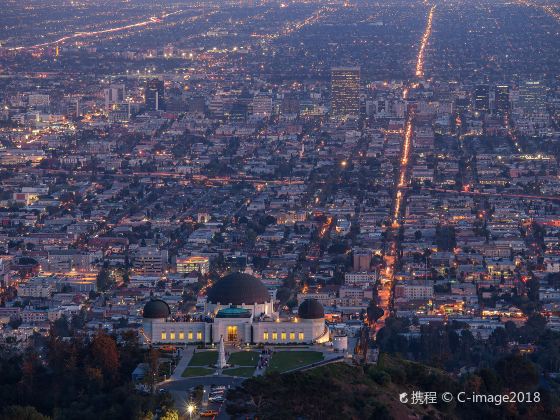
[156, 308]
[238, 288]
[311, 309]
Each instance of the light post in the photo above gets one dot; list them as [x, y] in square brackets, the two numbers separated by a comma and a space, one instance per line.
[191, 408]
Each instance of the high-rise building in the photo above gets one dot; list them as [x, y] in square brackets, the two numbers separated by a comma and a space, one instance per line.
[216, 106]
[147, 261]
[532, 97]
[345, 91]
[361, 260]
[290, 105]
[501, 99]
[154, 95]
[39, 100]
[262, 106]
[238, 112]
[482, 98]
[114, 95]
[119, 112]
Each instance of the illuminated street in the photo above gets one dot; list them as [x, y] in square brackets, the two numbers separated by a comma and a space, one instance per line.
[272, 209]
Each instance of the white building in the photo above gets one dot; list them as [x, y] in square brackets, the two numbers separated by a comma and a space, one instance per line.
[187, 264]
[150, 261]
[239, 309]
[361, 279]
[37, 287]
[414, 290]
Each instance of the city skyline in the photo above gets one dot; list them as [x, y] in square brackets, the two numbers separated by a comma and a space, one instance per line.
[280, 209]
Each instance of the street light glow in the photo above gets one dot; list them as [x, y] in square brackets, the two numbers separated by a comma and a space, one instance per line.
[191, 408]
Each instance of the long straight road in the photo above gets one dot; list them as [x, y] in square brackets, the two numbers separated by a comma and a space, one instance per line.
[385, 297]
[88, 34]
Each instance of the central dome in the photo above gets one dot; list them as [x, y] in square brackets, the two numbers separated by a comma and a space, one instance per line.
[238, 289]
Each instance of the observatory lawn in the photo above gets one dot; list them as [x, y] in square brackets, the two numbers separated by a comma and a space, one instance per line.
[244, 358]
[204, 358]
[283, 361]
[244, 363]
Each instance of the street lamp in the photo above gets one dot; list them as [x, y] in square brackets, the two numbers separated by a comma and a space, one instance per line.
[191, 408]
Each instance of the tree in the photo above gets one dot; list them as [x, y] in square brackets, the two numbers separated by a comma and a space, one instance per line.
[491, 381]
[21, 413]
[105, 355]
[534, 327]
[374, 312]
[517, 372]
[15, 323]
[95, 378]
[60, 327]
[79, 320]
[104, 279]
[499, 337]
[170, 415]
[29, 371]
[533, 286]
[153, 365]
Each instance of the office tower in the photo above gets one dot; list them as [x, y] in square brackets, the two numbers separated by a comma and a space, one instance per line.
[78, 109]
[290, 105]
[216, 106]
[482, 98]
[262, 106]
[154, 96]
[239, 111]
[532, 97]
[39, 100]
[345, 91]
[149, 261]
[114, 95]
[361, 260]
[424, 139]
[501, 99]
[119, 112]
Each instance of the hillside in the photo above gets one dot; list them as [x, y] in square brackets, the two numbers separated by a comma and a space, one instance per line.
[339, 391]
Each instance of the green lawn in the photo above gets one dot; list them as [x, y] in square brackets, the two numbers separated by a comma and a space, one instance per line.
[204, 358]
[197, 371]
[244, 358]
[287, 360]
[245, 372]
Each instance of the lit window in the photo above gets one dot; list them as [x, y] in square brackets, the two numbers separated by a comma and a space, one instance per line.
[181, 335]
[164, 335]
[190, 335]
[301, 336]
[275, 336]
[172, 336]
[283, 335]
[292, 336]
[265, 335]
[199, 335]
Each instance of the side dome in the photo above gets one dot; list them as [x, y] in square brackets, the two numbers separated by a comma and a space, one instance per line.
[156, 308]
[311, 309]
[238, 289]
